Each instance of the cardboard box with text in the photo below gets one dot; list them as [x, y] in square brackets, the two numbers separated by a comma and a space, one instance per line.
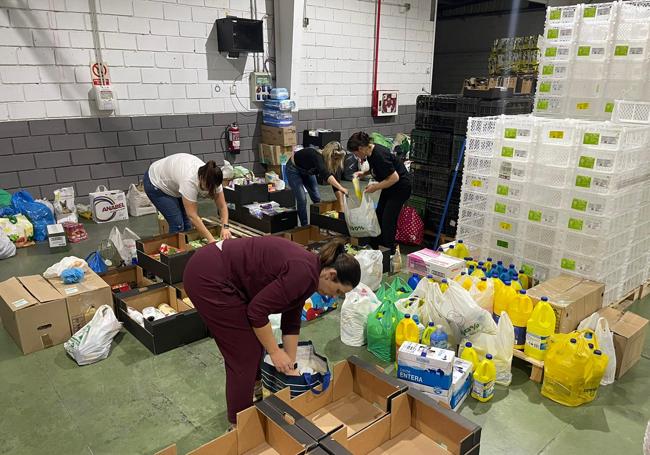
[629, 331]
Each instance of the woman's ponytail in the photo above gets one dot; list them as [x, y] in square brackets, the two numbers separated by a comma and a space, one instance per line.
[210, 177]
[347, 268]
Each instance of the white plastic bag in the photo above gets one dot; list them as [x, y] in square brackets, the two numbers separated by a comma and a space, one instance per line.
[54, 271]
[484, 299]
[605, 339]
[464, 315]
[64, 206]
[362, 218]
[500, 346]
[372, 267]
[7, 248]
[138, 202]
[227, 171]
[358, 304]
[92, 342]
[125, 243]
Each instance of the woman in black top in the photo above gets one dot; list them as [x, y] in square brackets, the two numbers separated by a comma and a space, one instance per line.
[393, 180]
[308, 167]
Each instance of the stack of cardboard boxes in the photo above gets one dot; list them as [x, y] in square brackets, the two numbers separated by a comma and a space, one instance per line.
[277, 146]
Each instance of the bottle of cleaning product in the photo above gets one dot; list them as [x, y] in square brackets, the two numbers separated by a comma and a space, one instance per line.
[407, 330]
[470, 354]
[439, 338]
[426, 336]
[484, 379]
[488, 264]
[483, 284]
[414, 280]
[514, 282]
[481, 264]
[478, 273]
[462, 250]
[470, 270]
[520, 310]
[523, 279]
[470, 262]
[416, 319]
[451, 251]
[540, 327]
[467, 283]
[444, 285]
[460, 278]
[503, 295]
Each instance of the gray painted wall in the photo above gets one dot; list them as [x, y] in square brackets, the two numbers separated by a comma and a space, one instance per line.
[462, 46]
[43, 155]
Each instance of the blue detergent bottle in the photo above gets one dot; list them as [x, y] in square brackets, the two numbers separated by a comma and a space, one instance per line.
[439, 338]
[414, 280]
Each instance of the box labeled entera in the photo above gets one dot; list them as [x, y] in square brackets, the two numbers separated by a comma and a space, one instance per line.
[33, 313]
[279, 136]
[83, 298]
[429, 262]
[425, 366]
[572, 298]
[629, 337]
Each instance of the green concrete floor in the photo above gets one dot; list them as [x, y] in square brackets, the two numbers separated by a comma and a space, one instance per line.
[137, 403]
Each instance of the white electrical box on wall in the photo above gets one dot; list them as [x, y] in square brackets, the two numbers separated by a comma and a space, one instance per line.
[260, 85]
[387, 103]
[104, 97]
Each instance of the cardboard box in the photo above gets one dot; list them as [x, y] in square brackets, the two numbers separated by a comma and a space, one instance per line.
[306, 235]
[572, 298]
[163, 225]
[56, 238]
[132, 275]
[168, 268]
[260, 430]
[416, 425]
[33, 313]
[167, 333]
[425, 366]
[84, 298]
[358, 396]
[439, 265]
[629, 337]
[279, 136]
[275, 154]
[460, 388]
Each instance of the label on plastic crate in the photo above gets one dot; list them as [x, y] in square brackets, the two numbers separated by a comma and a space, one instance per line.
[589, 11]
[545, 87]
[597, 51]
[582, 106]
[621, 51]
[556, 134]
[502, 244]
[575, 224]
[587, 162]
[505, 226]
[609, 140]
[477, 183]
[603, 163]
[535, 215]
[553, 33]
[499, 208]
[505, 171]
[591, 139]
[566, 32]
[584, 51]
[609, 108]
[547, 70]
[602, 182]
[583, 181]
[555, 14]
[510, 133]
[637, 50]
[550, 52]
[502, 190]
[542, 105]
[507, 152]
[568, 264]
[579, 204]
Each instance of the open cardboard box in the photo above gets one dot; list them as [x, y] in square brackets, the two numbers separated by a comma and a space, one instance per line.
[260, 431]
[317, 217]
[132, 275]
[33, 313]
[358, 396]
[305, 235]
[629, 337]
[84, 298]
[168, 268]
[416, 424]
[167, 333]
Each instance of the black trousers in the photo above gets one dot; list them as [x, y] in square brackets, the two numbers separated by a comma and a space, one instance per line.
[389, 207]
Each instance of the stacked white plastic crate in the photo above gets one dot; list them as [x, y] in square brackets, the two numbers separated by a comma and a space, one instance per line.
[592, 55]
[559, 196]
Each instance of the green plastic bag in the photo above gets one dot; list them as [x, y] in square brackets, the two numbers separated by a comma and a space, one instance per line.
[382, 324]
[382, 140]
[381, 292]
[5, 199]
[400, 289]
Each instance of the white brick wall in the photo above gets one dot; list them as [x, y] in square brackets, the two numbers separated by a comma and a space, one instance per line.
[156, 51]
[338, 48]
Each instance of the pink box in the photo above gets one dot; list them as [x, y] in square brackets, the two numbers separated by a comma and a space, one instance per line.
[439, 265]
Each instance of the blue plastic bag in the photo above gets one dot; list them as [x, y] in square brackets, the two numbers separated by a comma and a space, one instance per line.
[96, 262]
[38, 214]
[72, 276]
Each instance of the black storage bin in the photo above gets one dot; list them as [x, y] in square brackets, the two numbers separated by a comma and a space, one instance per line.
[430, 181]
[321, 139]
[431, 147]
[267, 224]
[467, 105]
[247, 194]
[434, 215]
[285, 198]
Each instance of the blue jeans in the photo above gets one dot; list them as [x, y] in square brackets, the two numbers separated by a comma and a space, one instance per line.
[171, 207]
[296, 181]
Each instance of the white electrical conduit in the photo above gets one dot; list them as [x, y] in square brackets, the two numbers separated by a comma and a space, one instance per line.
[92, 6]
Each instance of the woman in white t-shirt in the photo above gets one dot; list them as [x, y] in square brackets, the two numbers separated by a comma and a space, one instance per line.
[174, 185]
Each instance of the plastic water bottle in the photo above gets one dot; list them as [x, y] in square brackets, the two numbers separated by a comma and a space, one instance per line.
[414, 280]
[470, 270]
[439, 338]
[416, 319]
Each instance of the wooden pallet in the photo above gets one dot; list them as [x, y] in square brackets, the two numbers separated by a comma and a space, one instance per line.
[628, 299]
[238, 230]
[537, 366]
[645, 290]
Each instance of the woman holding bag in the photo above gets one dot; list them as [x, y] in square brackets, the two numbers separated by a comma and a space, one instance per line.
[393, 179]
[235, 286]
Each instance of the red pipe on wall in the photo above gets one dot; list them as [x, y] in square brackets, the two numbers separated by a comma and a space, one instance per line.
[375, 67]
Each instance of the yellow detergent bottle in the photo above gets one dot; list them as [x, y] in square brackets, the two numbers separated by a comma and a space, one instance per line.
[426, 336]
[503, 295]
[470, 354]
[567, 369]
[478, 273]
[470, 262]
[516, 285]
[460, 278]
[484, 378]
[407, 330]
[451, 251]
[519, 310]
[595, 375]
[357, 188]
[524, 280]
[461, 250]
[488, 264]
[444, 285]
[482, 285]
[539, 329]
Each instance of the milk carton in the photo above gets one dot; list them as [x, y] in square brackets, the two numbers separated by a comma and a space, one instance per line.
[424, 367]
[460, 387]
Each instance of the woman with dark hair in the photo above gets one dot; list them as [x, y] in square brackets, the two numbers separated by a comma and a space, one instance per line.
[393, 180]
[236, 285]
[174, 185]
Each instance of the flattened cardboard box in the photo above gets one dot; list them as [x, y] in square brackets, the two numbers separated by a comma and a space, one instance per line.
[33, 313]
[84, 298]
[629, 337]
[572, 298]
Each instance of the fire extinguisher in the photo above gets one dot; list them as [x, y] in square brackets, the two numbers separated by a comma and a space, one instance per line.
[232, 135]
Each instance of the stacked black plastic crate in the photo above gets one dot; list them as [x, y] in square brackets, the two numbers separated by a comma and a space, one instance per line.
[440, 128]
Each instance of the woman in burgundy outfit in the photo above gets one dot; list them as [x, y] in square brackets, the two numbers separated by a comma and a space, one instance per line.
[236, 284]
